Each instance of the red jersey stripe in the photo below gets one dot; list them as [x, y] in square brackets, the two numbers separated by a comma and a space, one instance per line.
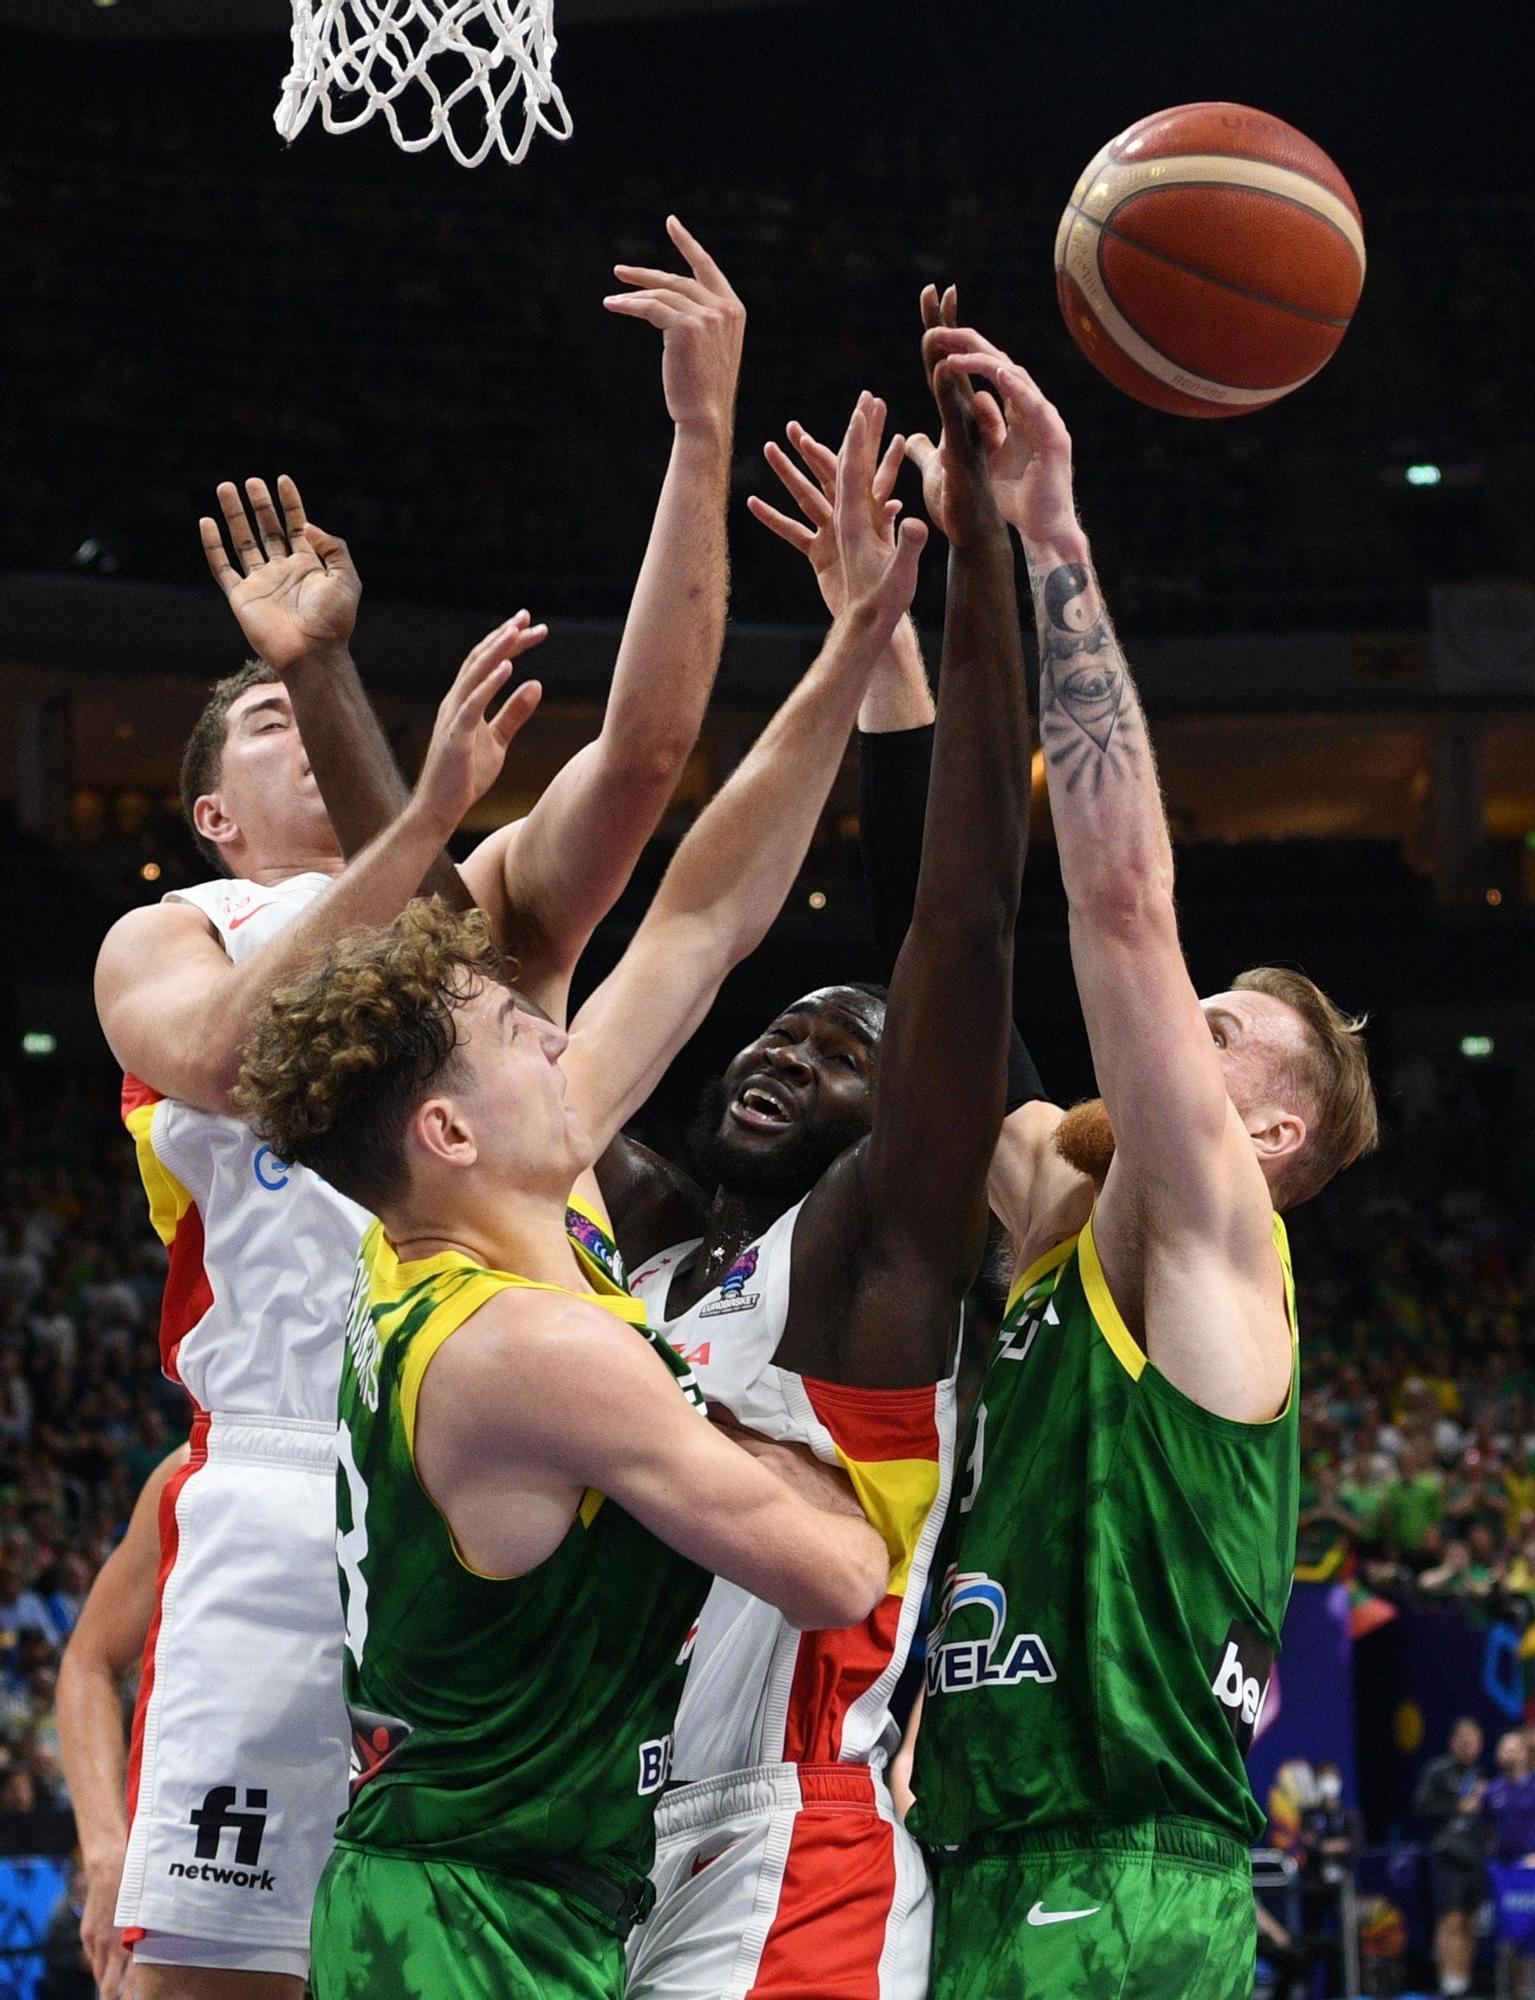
[831, 1671]
[834, 1904]
[136, 1095]
[875, 1424]
[170, 1542]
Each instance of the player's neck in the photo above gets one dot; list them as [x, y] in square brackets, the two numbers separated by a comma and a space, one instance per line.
[733, 1221]
[518, 1232]
[269, 874]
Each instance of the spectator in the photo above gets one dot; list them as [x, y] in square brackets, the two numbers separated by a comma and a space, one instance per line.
[1413, 1502]
[22, 1611]
[1510, 1800]
[1449, 1796]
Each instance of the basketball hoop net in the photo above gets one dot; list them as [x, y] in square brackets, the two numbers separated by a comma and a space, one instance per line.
[419, 60]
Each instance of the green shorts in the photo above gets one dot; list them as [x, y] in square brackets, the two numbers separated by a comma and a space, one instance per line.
[1142, 1911]
[395, 1927]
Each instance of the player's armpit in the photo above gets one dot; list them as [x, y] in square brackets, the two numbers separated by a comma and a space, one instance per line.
[1019, 1166]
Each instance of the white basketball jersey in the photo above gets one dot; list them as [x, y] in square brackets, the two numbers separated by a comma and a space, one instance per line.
[757, 1690]
[261, 1253]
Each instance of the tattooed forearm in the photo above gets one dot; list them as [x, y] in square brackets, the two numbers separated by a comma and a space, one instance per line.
[1088, 716]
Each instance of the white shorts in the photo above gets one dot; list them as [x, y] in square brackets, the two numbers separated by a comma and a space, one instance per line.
[795, 1881]
[241, 1745]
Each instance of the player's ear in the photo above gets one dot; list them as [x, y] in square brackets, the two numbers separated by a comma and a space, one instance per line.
[1276, 1133]
[212, 822]
[438, 1130]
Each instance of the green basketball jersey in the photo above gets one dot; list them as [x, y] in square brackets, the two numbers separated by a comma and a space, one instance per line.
[502, 1721]
[1118, 1566]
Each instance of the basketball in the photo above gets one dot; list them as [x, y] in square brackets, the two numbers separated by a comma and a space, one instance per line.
[1209, 260]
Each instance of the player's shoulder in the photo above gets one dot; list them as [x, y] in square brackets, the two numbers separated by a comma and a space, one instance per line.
[155, 939]
[527, 1330]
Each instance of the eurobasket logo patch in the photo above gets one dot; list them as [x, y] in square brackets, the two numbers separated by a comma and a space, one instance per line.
[597, 1244]
[734, 1297]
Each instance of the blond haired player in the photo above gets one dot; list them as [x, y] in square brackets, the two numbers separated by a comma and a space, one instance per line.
[238, 1765]
[1123, 1540]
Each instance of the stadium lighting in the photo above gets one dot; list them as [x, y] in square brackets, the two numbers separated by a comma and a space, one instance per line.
[817, 899]
[1424, 475]
[1475, 1047]
[37, 1042]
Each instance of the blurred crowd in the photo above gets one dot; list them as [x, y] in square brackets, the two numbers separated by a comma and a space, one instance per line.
[84, 1414]
[1418, 1328]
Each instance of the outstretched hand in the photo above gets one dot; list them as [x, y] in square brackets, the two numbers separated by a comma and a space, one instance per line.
[816, 497]
[878, 564]
[1030, 457]
[955, 469]
[468, 746]
[293, 587]
[702, 325]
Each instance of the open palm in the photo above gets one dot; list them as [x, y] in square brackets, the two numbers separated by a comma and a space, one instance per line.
[292, 586]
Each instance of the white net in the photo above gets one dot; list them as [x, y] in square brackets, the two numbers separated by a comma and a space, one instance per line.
[427, 64]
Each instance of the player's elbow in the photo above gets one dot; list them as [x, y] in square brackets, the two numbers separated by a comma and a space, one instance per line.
[1131, 900]
[651, 764]
[841, 1584]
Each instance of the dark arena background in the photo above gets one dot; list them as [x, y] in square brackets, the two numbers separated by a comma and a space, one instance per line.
[1329, 605]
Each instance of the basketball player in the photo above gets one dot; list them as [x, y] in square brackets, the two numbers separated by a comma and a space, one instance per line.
[237, 1772]
[850, 1144]
[105, 1646]
[513, 1636]
[1121, 1550]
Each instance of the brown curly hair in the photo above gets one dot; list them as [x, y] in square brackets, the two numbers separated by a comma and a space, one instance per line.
[341, 1056]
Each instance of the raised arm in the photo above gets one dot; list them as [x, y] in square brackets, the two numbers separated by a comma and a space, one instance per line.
[895, 722]
[104, 1646]
[916, 1191]
[551, 878]
[176, 1010]
[294, 590]
[729, 877]
[1179, 1139]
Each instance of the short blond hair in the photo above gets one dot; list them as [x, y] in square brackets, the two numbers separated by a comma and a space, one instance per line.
[341, 1056]
[1332, 1072]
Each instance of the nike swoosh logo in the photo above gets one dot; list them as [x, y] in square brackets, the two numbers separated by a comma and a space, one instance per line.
[1040, 1915]
[246, 915]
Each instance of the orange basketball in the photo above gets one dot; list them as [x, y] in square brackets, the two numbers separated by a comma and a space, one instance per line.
[1209, 260]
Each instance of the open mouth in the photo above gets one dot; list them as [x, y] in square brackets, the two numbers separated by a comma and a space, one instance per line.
[759, 1108]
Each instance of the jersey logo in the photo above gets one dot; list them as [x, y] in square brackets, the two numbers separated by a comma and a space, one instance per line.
[1040, 1915]
[376, 1741]
[255, 911]
[271, 1173]
[655, 1765]
[1241, 1682]
[734, 1297]
[597, 1244]
[1016, 1340]
[955, 1665]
